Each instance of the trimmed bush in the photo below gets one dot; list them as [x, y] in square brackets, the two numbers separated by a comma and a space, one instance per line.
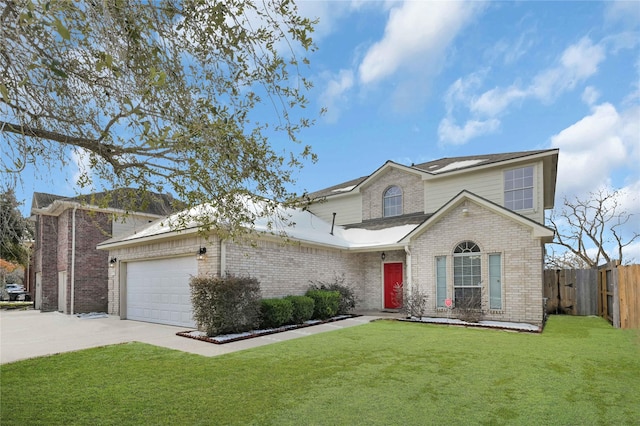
[275, 312]
[325, 303]
[347, 295]
[302, 308]
[223, 305]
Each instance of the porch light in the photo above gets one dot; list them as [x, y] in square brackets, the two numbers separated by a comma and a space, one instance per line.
[112, 262]
[201, 252]
[382, 256]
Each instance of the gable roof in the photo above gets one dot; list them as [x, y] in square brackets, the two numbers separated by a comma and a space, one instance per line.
[537, 230]
[117, 200]
[452, 165]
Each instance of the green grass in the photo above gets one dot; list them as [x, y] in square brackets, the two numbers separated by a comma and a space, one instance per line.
[580, 371]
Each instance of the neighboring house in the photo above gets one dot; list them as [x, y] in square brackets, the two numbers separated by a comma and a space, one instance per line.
[70, 273]
[465, 230]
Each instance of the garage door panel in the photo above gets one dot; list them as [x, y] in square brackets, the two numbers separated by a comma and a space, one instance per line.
[158, 291]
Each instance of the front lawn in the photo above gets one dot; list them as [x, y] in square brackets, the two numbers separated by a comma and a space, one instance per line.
[579, 371]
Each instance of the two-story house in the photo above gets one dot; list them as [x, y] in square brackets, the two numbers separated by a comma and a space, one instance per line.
[70, 273]
[466, 230]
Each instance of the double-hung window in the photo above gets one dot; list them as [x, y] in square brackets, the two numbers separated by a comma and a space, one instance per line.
[518, 188]
[467, 275]
[392, 200]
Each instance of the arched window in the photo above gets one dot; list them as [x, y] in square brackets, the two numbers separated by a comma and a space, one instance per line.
[467, 275]
[392, 202]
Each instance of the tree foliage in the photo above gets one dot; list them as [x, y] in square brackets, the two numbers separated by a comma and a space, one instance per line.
[593, 230]
[199, 98]
[14, 230]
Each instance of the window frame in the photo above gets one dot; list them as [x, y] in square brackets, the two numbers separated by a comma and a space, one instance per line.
[441, 281]
[395, 209]
[517, 188]
[495, 286]
[467, 283]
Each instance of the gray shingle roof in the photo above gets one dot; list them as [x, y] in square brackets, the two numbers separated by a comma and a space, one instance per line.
[436, 167]
[127, 199]
[389, 222]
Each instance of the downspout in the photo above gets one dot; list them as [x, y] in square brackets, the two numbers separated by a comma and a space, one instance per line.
[73, 258]
[409, 275]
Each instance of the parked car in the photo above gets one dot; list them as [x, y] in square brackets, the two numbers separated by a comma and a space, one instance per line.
[14, 292]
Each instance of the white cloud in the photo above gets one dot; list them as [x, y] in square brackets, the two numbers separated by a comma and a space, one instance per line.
[590, 95]
[460, 91]
[328, 14]
[450, 132]
[622, 12]
[494, 101]
[417, 32]
[592, 148]
[576, 64]
[335, 93]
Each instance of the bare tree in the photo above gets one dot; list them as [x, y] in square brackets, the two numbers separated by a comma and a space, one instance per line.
[596, 224]
[174, 96]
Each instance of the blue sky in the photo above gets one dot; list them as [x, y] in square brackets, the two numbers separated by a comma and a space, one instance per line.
[416, 81]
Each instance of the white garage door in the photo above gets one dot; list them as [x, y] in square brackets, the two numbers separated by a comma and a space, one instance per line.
[158, 291]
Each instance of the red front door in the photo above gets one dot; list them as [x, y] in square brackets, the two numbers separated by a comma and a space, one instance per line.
[392, 279]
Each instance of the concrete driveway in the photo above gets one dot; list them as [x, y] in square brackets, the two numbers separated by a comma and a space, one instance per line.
[28, 334]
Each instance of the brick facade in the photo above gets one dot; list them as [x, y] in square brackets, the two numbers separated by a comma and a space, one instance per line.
[289, 268]
[54, 253]
[522, 260]
[46, 261]
[412, 193]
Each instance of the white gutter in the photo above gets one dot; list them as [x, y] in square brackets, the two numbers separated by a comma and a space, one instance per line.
[73, 258]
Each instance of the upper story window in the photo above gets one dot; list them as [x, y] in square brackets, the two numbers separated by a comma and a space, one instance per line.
[518, 188]
[392, 202]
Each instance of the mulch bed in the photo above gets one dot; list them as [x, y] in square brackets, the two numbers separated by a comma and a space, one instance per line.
[228, 338]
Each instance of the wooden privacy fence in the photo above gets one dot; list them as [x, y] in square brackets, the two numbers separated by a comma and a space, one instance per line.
[619, 294]
[571, 291]
[612, 292]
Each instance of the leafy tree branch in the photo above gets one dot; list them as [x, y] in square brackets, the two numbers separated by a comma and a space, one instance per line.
[202, 99]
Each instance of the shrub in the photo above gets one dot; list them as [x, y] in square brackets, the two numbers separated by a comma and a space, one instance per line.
[469, 309]
[223, 305]
[302, 308]
[347, 296]
[275, 312]
[414, 302]
[325, 303]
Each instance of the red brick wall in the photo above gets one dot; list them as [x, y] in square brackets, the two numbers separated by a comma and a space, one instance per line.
[92, 265]
[53, 254]
[46, 259]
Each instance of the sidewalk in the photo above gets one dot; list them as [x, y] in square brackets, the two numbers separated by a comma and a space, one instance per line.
[28, 334]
